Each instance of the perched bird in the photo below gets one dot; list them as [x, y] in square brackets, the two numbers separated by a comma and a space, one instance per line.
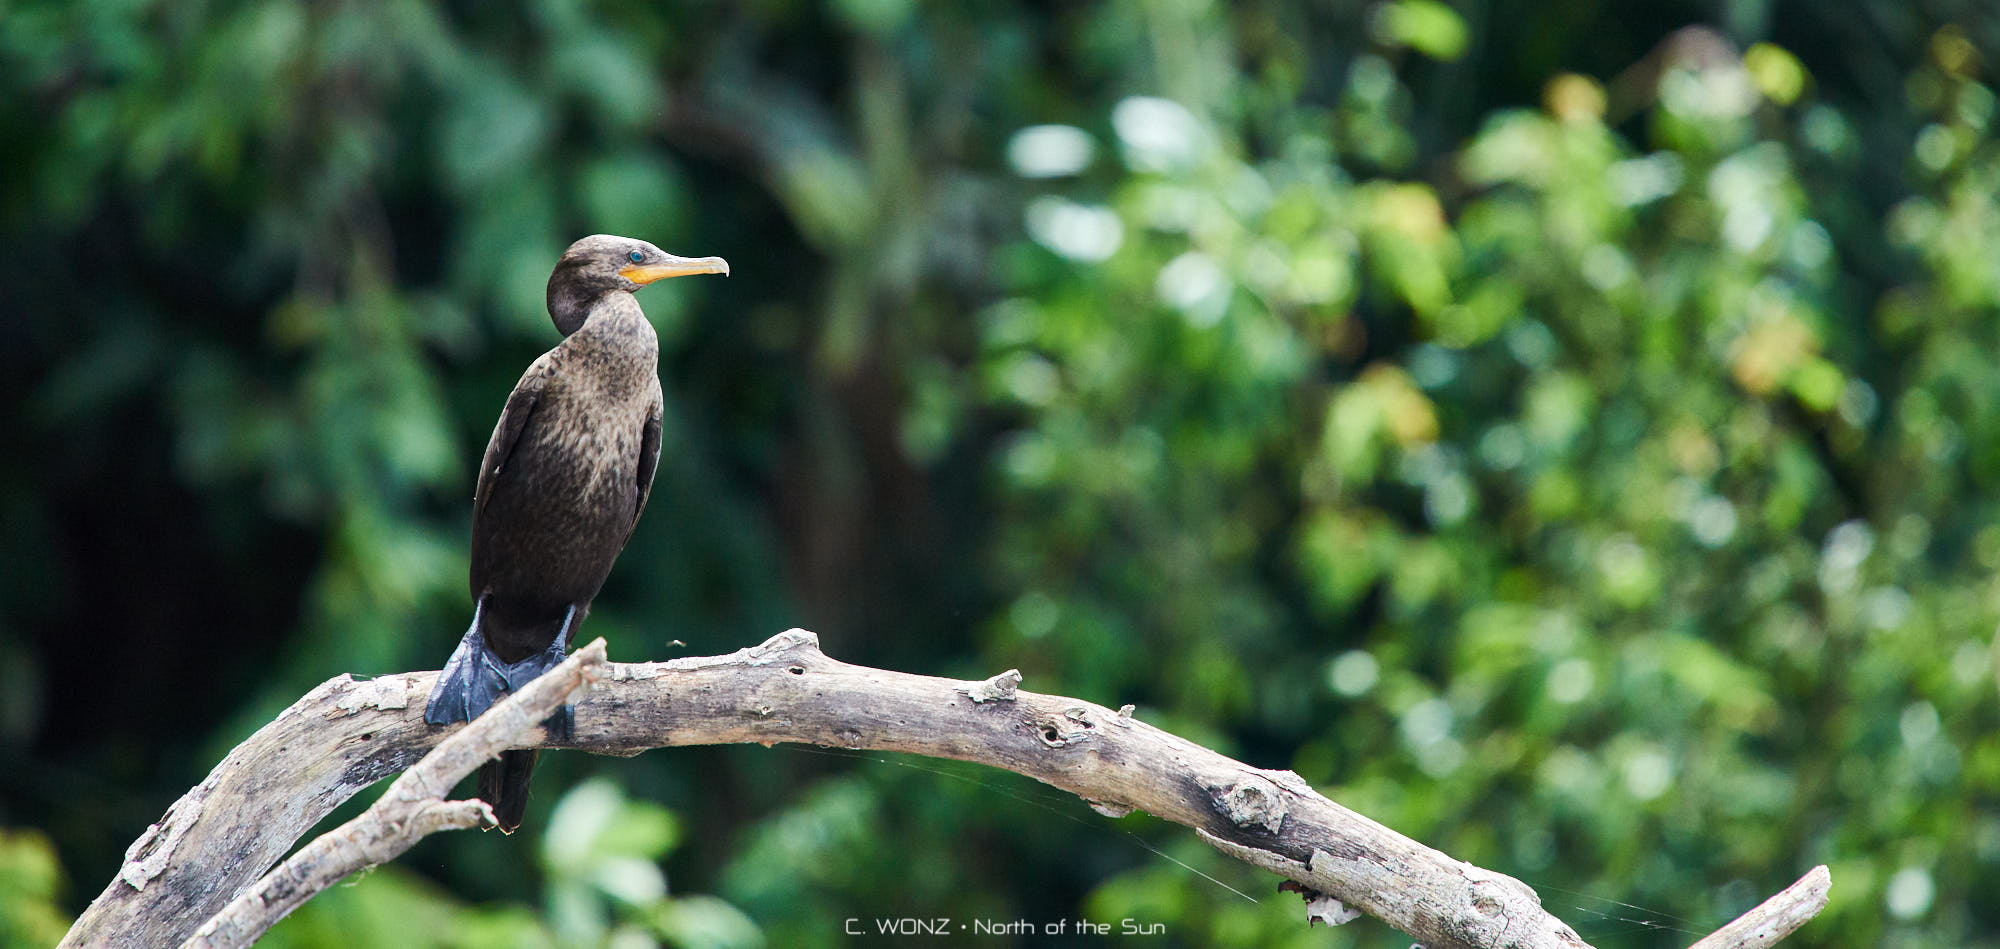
[564, 479]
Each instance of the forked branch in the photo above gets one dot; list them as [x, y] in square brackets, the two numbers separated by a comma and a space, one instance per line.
[343, 736]
[413, 808]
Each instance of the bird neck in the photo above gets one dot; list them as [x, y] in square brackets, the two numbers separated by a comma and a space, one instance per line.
[616, 331]
[572, 302]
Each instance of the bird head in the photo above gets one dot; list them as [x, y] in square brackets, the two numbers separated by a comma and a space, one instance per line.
[604, 263]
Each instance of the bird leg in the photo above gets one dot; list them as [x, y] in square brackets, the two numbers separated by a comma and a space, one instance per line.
[462, 691]
[512, 676]
[474, 679]
[561, 725]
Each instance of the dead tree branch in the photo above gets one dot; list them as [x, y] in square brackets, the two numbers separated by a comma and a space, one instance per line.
[1775, 918]
[347, 734]
[413, 808]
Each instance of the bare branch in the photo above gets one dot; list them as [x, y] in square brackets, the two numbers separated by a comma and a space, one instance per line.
[1777, 917]
[347, 734]
[413, 808]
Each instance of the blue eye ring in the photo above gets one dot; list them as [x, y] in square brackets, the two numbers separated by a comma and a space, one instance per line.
[635, 256]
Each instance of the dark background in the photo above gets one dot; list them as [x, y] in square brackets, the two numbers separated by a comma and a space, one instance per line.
[1563, 431]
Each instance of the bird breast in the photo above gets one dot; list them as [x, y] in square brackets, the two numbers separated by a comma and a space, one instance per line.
[586, 432]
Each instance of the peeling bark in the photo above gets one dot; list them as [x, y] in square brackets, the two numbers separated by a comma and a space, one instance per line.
[345, 735]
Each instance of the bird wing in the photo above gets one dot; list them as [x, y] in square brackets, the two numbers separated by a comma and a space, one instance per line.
[507, 432]
[649, 454]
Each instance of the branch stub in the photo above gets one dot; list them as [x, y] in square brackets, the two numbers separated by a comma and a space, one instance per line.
[1000, 688]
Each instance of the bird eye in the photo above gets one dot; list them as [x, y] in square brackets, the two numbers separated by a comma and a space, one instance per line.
[636, 257]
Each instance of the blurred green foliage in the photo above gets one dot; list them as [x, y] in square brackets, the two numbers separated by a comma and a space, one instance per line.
[1565, 433]
[600, 856]
[31, 881]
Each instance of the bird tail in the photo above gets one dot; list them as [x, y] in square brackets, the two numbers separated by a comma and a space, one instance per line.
[503, 784]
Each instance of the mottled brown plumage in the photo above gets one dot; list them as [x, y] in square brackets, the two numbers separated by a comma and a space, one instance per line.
[564, 479]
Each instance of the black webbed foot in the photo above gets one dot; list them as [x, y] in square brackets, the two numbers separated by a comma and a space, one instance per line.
[474, 679]
[515, 676]
[562, 724]
[467, 685]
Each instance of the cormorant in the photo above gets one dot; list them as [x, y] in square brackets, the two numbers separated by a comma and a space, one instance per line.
[564, 479]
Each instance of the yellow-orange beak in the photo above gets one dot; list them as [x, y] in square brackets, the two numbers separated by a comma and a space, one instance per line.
[643, 274]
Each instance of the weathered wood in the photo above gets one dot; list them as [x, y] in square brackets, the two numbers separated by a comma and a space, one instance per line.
[347, 734]
[1777, 917]
[413, 808]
